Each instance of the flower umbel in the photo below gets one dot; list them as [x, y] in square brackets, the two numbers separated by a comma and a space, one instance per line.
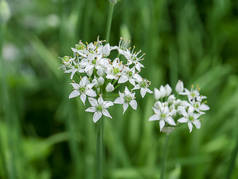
[98, 75]
[171, 111]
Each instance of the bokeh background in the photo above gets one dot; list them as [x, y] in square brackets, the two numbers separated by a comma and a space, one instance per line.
[44, 135]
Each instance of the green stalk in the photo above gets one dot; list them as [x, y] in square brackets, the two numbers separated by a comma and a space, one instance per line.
[100, 149]
[165, 153]
[109, 21]
[99, 133]
[11, 164]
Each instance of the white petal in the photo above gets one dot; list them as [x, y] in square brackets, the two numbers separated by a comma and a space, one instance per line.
[119, 100]
[84, 81]
[197, 124]
[204, 107]
[142, 92]
[170, 121]
[154, 118]
[190, 126]
[97, 116]
[106, 113]
[83, 98]
[91, 93]
[123, 79]
[93, 101]
[133, 104]
[100, 100]
[183, 120]
[107, 104]
[75, 85]
[161, 124]
[74, 94]
[91, 109]
[125, 106]
[72, 74]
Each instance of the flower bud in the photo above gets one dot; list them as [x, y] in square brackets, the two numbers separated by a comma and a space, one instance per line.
[109, 87]
[179, 87]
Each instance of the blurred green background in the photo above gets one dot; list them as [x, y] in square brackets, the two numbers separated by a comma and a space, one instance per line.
[44, 135]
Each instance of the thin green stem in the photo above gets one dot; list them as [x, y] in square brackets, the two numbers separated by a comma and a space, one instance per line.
[232, 161]
[100, 157]
[100, 149]
[109, 21]
[164, 160]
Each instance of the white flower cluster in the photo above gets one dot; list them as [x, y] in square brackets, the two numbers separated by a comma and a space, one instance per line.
[186, 106]
[101, 71]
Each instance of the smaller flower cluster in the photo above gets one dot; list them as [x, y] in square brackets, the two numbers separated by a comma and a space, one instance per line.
[97, 74]
[186, 106]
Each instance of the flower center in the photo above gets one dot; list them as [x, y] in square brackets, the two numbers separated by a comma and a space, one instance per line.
[143, 84]
[130, 73]
[127, 99]
[191, 118]
[99, 108]
[116, 70]
[163, 115]
[193, 94]
[82, 89]
[94, 61]
[79, 46]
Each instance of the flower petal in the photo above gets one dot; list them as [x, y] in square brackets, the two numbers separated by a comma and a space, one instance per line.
[154, 118]
[91, 109]
[83, 98]
[119, 100]
[93, 101]
[190, 126]
[183, 120]
[161, 124]
[125, 106]
[74, 94]
[170, 121]
[197, 124]
[133, 104]
[106, 113]
[204, 107]
[97, 116]
[91, 93]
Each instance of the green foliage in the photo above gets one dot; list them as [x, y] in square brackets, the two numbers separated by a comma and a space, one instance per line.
[44, 135]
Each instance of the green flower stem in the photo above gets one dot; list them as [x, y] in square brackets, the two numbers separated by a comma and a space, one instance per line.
[100, 149]
[164, 159]
[109, 21]
[10, 164]
[100, 158]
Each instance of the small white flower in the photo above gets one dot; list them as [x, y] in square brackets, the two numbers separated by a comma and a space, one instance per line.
[114, 71]
[163, 115]
[109, 87]
[143, 86]
[99, 108]
[190, 117]
[179, 87]
[127, 98]
[83, 89]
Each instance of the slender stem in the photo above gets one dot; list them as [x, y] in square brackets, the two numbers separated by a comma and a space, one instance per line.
[164, 160]
[232, 161]
[100, 158]
[109, 21]
[100, 149]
